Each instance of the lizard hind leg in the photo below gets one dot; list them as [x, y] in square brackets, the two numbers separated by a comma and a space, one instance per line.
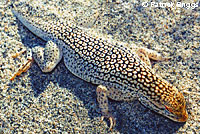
[47, 58]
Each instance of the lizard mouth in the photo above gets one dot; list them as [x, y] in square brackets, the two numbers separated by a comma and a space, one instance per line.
[168, 112]
[178, 116]
[184, 117]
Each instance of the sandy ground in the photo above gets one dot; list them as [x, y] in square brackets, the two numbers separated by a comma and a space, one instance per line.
[59, 102]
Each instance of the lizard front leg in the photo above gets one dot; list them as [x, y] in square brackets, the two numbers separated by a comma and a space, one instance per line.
[102, 99]
[146, 54]
[113, 93]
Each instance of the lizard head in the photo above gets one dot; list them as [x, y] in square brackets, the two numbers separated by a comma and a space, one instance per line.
[175, 106]
[167, 101]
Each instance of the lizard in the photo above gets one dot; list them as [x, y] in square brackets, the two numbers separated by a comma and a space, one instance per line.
[119, 73]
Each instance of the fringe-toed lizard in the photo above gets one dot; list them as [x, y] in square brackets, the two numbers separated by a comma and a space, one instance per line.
[119, 73]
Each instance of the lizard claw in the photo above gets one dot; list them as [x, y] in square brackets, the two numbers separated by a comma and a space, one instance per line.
[111, 119]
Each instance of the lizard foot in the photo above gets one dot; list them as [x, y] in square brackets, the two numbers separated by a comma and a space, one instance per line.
[23, 68]
[111, 119]
[103, 104]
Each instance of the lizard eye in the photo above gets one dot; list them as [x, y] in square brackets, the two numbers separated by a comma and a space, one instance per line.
[168, 108]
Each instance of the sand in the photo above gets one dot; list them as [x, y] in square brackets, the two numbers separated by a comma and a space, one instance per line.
[59, 102]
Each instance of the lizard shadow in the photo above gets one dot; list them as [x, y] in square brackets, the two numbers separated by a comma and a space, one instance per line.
[130, 117]
[134, 118]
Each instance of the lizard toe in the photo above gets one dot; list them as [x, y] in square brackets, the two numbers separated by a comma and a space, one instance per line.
[111, 119]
